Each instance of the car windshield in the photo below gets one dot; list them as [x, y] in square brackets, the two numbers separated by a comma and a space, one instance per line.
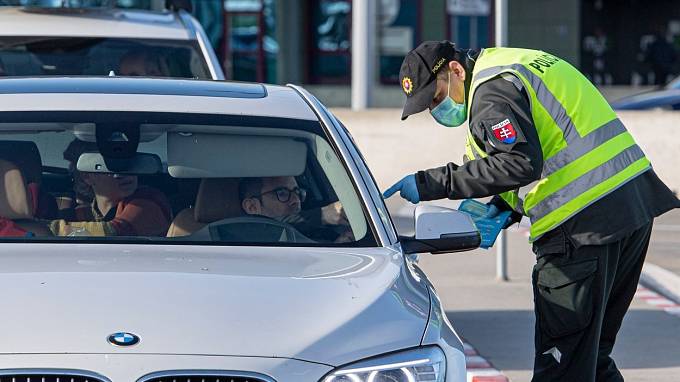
[175, 178]
[45, 56]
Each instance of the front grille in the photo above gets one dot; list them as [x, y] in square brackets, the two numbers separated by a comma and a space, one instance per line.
[205, 376]
[49, 376]
[45, 378]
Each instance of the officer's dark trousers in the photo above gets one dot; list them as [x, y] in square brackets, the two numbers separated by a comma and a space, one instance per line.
[580, 298]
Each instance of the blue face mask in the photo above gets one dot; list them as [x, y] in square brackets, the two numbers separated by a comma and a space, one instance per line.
[449, 113]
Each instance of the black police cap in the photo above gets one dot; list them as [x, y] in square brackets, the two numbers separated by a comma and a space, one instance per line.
[418, 74]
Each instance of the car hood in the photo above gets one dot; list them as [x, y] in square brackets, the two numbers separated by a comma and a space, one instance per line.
[329, 306]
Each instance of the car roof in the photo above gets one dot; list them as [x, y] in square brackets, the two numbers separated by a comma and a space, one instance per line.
[151, 95]
[100, 22]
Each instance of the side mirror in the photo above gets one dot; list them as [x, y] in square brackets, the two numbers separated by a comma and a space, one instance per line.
[139, 164]
[441, 230]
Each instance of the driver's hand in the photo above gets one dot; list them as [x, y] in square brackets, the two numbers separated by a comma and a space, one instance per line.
[334, 214]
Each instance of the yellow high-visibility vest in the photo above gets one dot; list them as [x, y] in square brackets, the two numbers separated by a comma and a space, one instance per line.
[587, 151]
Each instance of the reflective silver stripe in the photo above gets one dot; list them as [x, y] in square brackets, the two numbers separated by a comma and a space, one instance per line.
[520, 204]
[585, 182]
[475, 155]
[514, 80]
[543, 95]
[582, 146]
[491, 72]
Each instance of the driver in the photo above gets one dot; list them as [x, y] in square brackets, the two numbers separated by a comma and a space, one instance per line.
[280, 198]
[111, 204]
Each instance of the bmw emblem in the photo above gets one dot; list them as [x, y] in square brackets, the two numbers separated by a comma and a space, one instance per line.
[123, 339]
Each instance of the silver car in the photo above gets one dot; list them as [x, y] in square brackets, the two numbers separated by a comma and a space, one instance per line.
[183, 230]
[44, 41]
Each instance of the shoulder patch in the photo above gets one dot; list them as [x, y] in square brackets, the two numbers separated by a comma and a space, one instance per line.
[504, 131]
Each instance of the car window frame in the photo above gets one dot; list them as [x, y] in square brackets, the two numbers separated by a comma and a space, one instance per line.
[314, 127]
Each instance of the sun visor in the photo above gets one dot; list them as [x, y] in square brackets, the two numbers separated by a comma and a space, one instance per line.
[87, 132]
[192, 155]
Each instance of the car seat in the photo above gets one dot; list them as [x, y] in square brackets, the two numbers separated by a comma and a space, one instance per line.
[216, 199]
[15, 200]
[26, 156]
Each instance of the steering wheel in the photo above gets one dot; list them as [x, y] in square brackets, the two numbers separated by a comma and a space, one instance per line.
[279, 231]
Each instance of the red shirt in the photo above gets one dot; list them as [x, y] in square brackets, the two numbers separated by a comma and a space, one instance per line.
[146, 212]
[9, 229]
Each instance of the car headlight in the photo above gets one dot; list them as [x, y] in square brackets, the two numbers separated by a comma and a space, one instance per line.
[419, 365]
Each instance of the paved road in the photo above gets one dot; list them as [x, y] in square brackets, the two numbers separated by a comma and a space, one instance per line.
[664, 249]
[497, 318]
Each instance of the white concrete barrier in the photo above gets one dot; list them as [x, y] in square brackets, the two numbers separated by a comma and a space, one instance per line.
[394, 148]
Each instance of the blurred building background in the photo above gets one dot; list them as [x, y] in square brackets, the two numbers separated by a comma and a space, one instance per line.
[615, 42]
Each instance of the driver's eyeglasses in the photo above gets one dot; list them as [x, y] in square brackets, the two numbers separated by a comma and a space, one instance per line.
[283, 194]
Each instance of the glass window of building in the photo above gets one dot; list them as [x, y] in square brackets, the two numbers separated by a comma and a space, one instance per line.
[469, 22]
[399, 29]
[330, 55]
[251, 45]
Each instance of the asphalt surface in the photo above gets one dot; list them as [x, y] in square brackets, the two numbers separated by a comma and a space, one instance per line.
[664, 248]
[497, 317]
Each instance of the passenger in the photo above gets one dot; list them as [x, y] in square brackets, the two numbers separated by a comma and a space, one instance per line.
[111, 204]
[280, 198]
[139, 63]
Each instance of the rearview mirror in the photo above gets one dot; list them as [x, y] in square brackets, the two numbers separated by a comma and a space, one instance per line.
[441, 230]
[139, 164]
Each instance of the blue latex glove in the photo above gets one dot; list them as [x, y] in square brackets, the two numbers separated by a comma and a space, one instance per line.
[407, 189]
[493, 212]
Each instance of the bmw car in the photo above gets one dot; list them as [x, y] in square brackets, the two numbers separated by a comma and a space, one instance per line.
[186, 230]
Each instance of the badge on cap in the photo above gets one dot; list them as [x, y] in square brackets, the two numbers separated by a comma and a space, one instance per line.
[407, 85]
[504, 131]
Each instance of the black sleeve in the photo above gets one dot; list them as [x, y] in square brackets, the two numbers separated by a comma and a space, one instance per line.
[501, 123]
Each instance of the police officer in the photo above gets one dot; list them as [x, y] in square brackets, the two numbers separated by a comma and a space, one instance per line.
[537, 123]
